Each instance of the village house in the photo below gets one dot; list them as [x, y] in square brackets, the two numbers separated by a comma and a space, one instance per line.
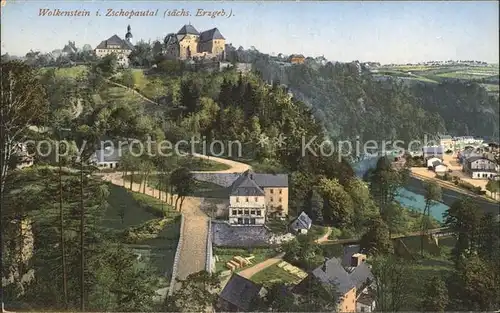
[434, 151]
[301, 224]
[479, 167]
[109, 157]
[255, 197]
[239, 295]
[189, 43]
[115, 45]
[446, 141]
[296, 59]
[352, 281]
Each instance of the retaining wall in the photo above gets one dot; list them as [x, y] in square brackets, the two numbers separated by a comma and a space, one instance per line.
[176, 259]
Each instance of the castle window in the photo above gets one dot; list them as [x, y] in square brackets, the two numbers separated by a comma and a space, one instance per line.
[252, 212]
[235, 212]
[237, 199]
[280, 191]
[272, 190]
[246, 212]
[240, 212]
[247, 199]
[258, 212]
[272, 199]
[256, 199]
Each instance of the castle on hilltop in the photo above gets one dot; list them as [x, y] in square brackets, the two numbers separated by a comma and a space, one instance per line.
[189, 43]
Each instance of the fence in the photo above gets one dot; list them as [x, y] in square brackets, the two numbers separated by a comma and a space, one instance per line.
[176, 259]
[209, 266]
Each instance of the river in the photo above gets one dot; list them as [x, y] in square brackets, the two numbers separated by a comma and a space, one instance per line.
[412, 195]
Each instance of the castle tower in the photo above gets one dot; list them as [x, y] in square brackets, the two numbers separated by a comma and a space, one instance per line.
[128, 35]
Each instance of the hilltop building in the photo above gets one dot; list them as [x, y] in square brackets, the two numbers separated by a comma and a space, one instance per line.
[189, 43]
[297, 59]
[479, 167]
[253, 197]
[116, 45]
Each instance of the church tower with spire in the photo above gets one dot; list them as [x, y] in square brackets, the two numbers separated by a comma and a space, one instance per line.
[128, 35]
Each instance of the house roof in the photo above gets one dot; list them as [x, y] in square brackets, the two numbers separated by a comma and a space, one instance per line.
[261, 180]
[333, 273]
[438, 149]
[296, 56]
[247, 187]
[240, 292]
[115, 40]
[445, 137]
[360, 275]
[475, 158]
[302, 222]
[436, 163]
[188, 30]
[211, 34]
[349, 251]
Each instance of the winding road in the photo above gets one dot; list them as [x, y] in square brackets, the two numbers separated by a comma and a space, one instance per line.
[193, 250]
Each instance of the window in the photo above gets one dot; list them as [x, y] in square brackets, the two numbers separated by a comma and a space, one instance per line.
[246, 212]
[240, 212]
[237, 199]
[280, 191]
[252, 212]
[256, 199]
[272, 199]
[247, 199]
[272, 190]
[280, 199]
[258, 212]
[235, 212]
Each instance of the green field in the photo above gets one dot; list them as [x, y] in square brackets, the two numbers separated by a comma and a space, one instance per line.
[72, 72]
[138, 210]
[434, 74]
[274, 274]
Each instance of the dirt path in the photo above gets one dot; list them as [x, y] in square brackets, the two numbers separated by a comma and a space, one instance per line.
[249, 272]
[132, 90]
[325, 236]
[193, 251]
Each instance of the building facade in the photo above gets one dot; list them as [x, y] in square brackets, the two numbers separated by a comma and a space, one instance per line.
[115, 45]
[255, 197]
[189, 43]
[481, 168]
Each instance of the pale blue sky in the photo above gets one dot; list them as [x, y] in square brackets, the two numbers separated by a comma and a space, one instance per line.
[344, 31]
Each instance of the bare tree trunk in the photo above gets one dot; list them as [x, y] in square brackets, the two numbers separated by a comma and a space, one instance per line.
[63, 254]
[131, 179]
[82, 236]
[176, 201]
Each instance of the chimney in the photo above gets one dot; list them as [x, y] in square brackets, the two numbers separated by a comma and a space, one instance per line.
[357, 259]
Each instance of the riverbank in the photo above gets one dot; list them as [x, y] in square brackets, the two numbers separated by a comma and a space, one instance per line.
[449, 196]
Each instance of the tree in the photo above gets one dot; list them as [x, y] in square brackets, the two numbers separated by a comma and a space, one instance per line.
[182, 181]
[489, 239]
[493, 186]
[24, 103]
[463, 218]
[435, 298]
[365, 208]
[432, 195]
[338, 206]
[393, 279]
[302, 251]
[195, 294]
[376, 240]
[385, 182]
[473, 286]
[108, 65]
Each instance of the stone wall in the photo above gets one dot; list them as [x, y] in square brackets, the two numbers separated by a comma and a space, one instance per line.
[176, 258]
